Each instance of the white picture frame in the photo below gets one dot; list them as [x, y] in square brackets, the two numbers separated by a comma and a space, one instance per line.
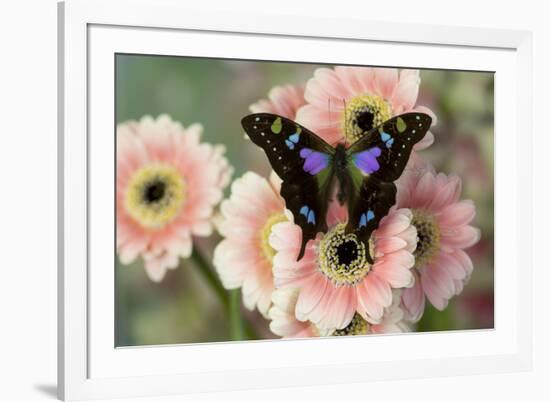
[91, 32]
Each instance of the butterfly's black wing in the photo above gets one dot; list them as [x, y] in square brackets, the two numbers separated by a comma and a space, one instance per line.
[384, 151]
[373, 163]
[368, 206]
[303, 161]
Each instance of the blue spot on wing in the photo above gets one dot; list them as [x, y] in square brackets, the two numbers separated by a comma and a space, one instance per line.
[362, 221]
[311, 217]
[366, 218]
[370, 215]
[388, 139]
[308, 214]
[293, 139]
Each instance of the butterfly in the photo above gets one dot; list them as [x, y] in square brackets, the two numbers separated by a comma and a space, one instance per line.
[365, 170]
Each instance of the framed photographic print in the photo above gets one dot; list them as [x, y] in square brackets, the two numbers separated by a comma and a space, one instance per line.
[249, 205]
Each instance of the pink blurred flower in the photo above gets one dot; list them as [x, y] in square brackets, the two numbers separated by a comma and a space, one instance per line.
[285, 324]
[443, 224]
[244, 258]
[167, 186]
[334, 278]
[351, 100]
[283, 100]
[283, 319]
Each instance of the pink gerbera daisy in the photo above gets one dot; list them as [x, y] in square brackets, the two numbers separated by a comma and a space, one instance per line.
[283, 100]
[244, 258]
[334, 278]
[345, 102]
[285, 324]
[167, 186]
[443, 224]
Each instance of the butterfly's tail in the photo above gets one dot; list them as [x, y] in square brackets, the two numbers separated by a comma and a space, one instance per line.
[368, 256]
[302, 249]
[363, 236]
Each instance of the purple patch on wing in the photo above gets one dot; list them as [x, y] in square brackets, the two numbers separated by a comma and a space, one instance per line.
[315, 161]
[366, 160]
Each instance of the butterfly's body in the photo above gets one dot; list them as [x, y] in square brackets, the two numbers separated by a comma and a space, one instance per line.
[340, 166]
[363, 172]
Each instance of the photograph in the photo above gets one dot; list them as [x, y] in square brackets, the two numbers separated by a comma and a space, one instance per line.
[278, 201]
[259, 200]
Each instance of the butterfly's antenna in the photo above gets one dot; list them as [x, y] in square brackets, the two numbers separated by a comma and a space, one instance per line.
[345, 120]
[329, 121]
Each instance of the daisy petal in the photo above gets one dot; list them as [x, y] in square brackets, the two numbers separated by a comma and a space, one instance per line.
[414, 301]
[457, 214]
[385, 81]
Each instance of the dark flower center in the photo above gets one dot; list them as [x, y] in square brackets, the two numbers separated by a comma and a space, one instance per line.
[341, 257]
[365, 120]
[154, 191]
[347, 252]
[154, 195]
[427, 232]
[362, 113]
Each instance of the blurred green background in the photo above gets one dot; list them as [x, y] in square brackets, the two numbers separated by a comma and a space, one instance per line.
[217, 93]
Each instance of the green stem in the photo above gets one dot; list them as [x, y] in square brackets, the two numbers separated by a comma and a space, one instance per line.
[240, 328]
[210, 276]
[235, 317]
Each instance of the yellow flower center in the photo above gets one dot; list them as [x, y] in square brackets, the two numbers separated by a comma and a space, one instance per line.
[341, 257]
[155, 195]
[428, 234]
[357, 326]
[363, 113]
[267, 250]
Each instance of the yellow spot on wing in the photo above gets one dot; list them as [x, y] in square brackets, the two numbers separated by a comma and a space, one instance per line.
[277, 126]
[401, 126]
